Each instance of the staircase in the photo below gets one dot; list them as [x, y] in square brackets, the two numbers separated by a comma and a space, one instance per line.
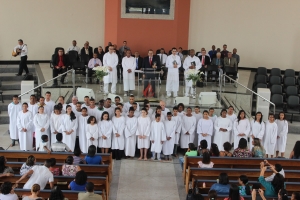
[11, 85]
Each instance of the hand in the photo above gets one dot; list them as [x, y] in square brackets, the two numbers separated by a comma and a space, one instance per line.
[55, 132]
[144, 76]
[224, 130]
[168, 138]
[144, 136]
[110, 68]
[154, 66]
[162, 142]
[92, 139]
[9, 174]
[43, 129]
[25, 130]
[57, 67]
[205, 66]
[262, 164]
[252, 136]
[63, 67]
[48, 151]
[140, 137]
[175, 66]
[253, 193]
[96, 65]
[18, 50]
[278, 137]
[152, 141]
[187, 133]
[221, 129]
[129, 70]
[261, 193]
[192, 67]
[117, 135]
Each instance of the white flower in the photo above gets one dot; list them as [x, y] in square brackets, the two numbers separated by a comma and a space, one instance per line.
[101, 68]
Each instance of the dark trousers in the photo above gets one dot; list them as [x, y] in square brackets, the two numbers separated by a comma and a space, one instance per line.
[90, 74]
[120, 71]
[59, 71]
[117, 154]
[23, 65]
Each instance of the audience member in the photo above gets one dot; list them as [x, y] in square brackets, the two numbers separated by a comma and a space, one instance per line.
[192, 151]
[74, 47]
[77, 158]
[224, 52]
[138, 61]
[108, 45]
[212, 195]
[223, 186]
[202, 147]
[60, 64]
[229, 61]
[3, 168]
[44, 144]
[28, 165]
[123, 49]
[217, 60]
[56, 194]
[7, 192]
[234, 193]
[277, 168]
[205, 163]
[257, 149]
[244, 186]
[236, 56]
[295, 196]
[89, 194]
[69, 169]
[214, 150]
[212, 53]
[87, 50]
[79, 183]
[53, 169]
[35, 190]
[91, 158]
[226, 153]
[59, 146]
[94, 62]
[205, 60]
[242, 151]
[100, 53]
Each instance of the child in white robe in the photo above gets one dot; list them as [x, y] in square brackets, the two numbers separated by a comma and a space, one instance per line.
[170, 128]
[143, 133]
[158, 111]
[55, 123]
[241, 128]
[282, 132]
[205, 129]
[130, 133]
[118, 140]
[178, 123]
[13, 110]
[223, 126]
[157, 137]
[198, 115]
[92, 132]
[105, 126]
[81, 130]
[232, 117]
[270, 137]
[188, 129]
[25, 125]
[181, 112]
[41, 123]
[136, 112]
[257, 128]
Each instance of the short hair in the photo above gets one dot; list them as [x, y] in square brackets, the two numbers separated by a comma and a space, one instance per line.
[231, 107]
[205, 111]
[25, 104]
[20, 40]
[223, 178]
[157, 115]
[203, 144]
[16, 96]
[77, 152]
[6, 187]
[102, 100]
[278, 167]
[197, 107]
[191, 146]
[48, 163]
[89, 187]
[174, 48]
[81, 178]
[35, 188]
[92, 99]
[33, 96]
[78, 103]
[158, 107]
[84, 108]
[150, 50]
[30, 160]
[131, 109]
[224, 45]
[180, 105]
[124, 41]
[59, 137]
[92, 151]
[242, 143]
[108, 99]
[41, 97]
[175, 108]
[169, 113]
[62, 97]
[227, 146]
[120, 104]
[211, 109]
[53, 162]
[69, 160]
[48, 92]
[44, 137]
[116, 97]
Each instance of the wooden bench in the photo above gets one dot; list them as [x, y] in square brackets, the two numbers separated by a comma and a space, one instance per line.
[101, 183]
[252, 174]
[249, 197]
[243, 163]
[71, 195]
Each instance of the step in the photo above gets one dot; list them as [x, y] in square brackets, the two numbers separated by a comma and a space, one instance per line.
[14, 68]
[4, 118]
[8, 94]
[13, 77]
[12, 85]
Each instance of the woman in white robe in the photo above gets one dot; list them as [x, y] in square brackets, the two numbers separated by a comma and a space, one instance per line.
[270, 136]
[13, 110]
[205, 129]
[157, 137]
[130, 133]
[24, 124]
[55, 123]
[187, 129]
[69, 127]
[282, 132]
[170, 128]
[198, 115]
[143, 133]
[92, 132]
[158, 111]
[105, 126]
[257, 129]
[41, 123]
[241, 128]
[223, 126]
[118, 140]
[81, 130]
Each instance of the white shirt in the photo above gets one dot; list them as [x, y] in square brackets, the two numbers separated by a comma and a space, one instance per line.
[74, 48]
[188, 62]
[24, 50]
[9, 197]
[162, 59]
[36, 177]
[94, 61]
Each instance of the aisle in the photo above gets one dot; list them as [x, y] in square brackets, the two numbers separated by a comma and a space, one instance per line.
[147, 180]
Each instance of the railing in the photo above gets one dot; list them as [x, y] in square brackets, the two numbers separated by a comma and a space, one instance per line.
[225, 76]
[73, 81]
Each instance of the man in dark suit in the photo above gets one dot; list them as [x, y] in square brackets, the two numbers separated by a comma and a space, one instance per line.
[60, 65]
[87, 50]
[138, 61]
[100, 53]
[231, 62]
[219, 62]
[204, 59]
[151, 66]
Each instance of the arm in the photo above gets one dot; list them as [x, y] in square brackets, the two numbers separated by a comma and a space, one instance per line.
[35, 122]
[147, 132]
[186, 64]
[284, 129]
[90, 64]
[192, 129]
[19, 124]
[291, 155]
[211, 128]
[235, 130]
[247, 132]
[262, 131]
[199, 127]
[47, 123]
[29, 173]
[229, 128]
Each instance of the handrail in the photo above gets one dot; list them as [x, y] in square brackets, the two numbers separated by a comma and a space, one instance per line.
[224, 75]
[47, 82]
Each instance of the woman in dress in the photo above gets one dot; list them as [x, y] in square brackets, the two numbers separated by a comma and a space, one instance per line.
[241, 128]
[41, 123]
[205, 129]
[68, 127]
[257, 128]
[105, 126]
[118, 139]
[92, 132]
[143, 134]
[282, 132]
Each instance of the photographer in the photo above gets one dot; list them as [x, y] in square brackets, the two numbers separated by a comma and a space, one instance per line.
[277, 168]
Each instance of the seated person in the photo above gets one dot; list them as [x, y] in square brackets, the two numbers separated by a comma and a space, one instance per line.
[277, 168]
[192, 151]
[231, 62]
[234, 193]
[94, 62]
[59, 146]
[60, 65]
[53, 169]
[100, 53]
[35, 190]
[79, 183]
[219, 62]
[214, 150]
[226, 153]
[202, 147]
[223, 186]
[205, 163]
[7, 192]
[89, 194]
[57, 194]
[44, 144]
[5, 170]
[92, 158]
[69, 169]
[242, 151]
[87, 51]
[77, 158]
[30, 162]
[244, 185]
[295, 154]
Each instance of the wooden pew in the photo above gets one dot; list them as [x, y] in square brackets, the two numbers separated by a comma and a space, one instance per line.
[243, 163]
[101, 183]
[71, 195]
[252, 174]
[219, 197]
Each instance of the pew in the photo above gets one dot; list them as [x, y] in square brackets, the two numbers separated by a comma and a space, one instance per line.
[71, 195]
[243, 163]
[252, 174]
[220, 197]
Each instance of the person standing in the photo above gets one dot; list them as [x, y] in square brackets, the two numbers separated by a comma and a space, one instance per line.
[105, 126]
[13, 110]
[24, 124]
[205, 129]
[129, 132]
[143, 133]
[282, 132]
[41, 123]
[128, 64]
[68, 127]
[187, 129]
[157, 137]
[21, 49]
[81, 130]
[110, 59]
[123, 48]
[223, 127]
[55, 123]
[257, 128]
[118, 141]
[173, 63]
[241, 128]
[270, 137]
[170, 128]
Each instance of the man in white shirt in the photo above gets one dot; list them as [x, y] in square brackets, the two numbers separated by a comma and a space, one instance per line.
[163, 58]
[50, 104]
[38, 175]
[164, 110]
[74, 102]
[173, 63]
[128, 64]
[110, 59]
[190, 62]
[94, 62]
[73, 47]
[22, 50]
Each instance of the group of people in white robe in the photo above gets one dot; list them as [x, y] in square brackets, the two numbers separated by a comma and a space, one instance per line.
[123, 127]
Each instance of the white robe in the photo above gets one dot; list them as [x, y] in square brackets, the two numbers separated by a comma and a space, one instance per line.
[198, 117]
[188, 125]
[186, 65]
[270, 137]
[68, 125]
[143, 129]
[73, 106]
[282, 133]
[47, 109]
[128, 78]
[178, 123]
[64, 109]
[41, 121]
[118, 127]
[221, 137]
[81, 133]
[50, 104]
[13, 112]
[127, 105]
[94, 112]
[150, 112]
[173, 73]
[92, 131]
[213, 118]
[157, 134]
[111, 111]
[232, 117]
[112, 61]
[257, 130]
[205, 126]
[130, 136]
[55, 123]
[243, 126]
[106, 129]
[162, 117]
[165, 111]
[24, 120]
[170, 128]
[33, 108]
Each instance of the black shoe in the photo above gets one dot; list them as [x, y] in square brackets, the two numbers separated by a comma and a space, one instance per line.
[18, 74]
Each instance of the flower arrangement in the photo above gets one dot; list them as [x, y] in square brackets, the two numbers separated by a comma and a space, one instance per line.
[194, 75]
[101, 71]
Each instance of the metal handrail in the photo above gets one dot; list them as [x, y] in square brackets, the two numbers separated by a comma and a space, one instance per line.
[48, 82]
[224, 75]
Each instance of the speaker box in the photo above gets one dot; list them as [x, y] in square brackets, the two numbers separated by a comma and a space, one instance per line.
[207, 98]
[184, 100]
[112, 97]
[82, 92]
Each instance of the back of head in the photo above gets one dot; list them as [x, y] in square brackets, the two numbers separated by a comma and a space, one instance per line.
[242, 143]
[297, 150]
[92, 151]
[223, 178]
[244, 179]
[81, 177]
[69, 160]
[214, 150]
[278, 167]
[227, 146]
[203, 144]
[295, 196]
[53, 162]
[284, 194]
[278, 182]
[59, 137]
[212, 195]
[56, 194]
[48, 163]
[30, 160]
[89, 187]
[77, 152]
[44, 138]
[206, 158]
[6, 188]
[234, 193]
[35, 188]
[191, 146]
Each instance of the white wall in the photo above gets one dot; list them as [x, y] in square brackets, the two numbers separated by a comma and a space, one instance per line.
[46, 24]
[265, 33]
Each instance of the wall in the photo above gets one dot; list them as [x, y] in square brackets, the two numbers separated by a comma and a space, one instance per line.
[266, 33]
[44, 25]
[143, 34]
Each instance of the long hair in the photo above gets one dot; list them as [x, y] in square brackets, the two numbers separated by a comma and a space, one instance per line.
[56, 194]
[72, 114]
[206, 158]
[284, 194]
[234, 193]
[92, 151]
[278, 182]
[279, 115]
[104, 113]
[214, 150]
[245, 180]
[297, 150]
[257, 143]
[260, 118]
[2, 164]
[239, 115]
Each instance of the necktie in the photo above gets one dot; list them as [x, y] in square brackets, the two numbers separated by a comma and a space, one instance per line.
[218, 61]
[229, 61]
[137, 63]
[95, 62]
[203, 58]
[161, 57]
[150, 61]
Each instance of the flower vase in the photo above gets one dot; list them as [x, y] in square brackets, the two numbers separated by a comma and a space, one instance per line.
[101, 85]
[194, 89]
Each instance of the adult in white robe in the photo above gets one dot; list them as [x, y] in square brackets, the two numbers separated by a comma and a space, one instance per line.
[128, 64]
[13, 111]
[164, 110]
[190, 62]
[177, 119]
[282, 132]
[241, 129]
[157, 137]
[105, 129]
[24, 121]
[143, 130]
[69, 128]
[232, 117]
[173, 63]
[110, 59]
[187, 130]
[118, 128]
[198, 116]
[127, 105]
[50, 104]
[205, 129]
[33, 108]
[257, 131]
[130, 135]
[111, 111]
[92, 131]
[55, 124]
[94, 112]
[168, 145]
[223, 126]
[41, 123]
[81, 133]
[270, 138]
[162, 116]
